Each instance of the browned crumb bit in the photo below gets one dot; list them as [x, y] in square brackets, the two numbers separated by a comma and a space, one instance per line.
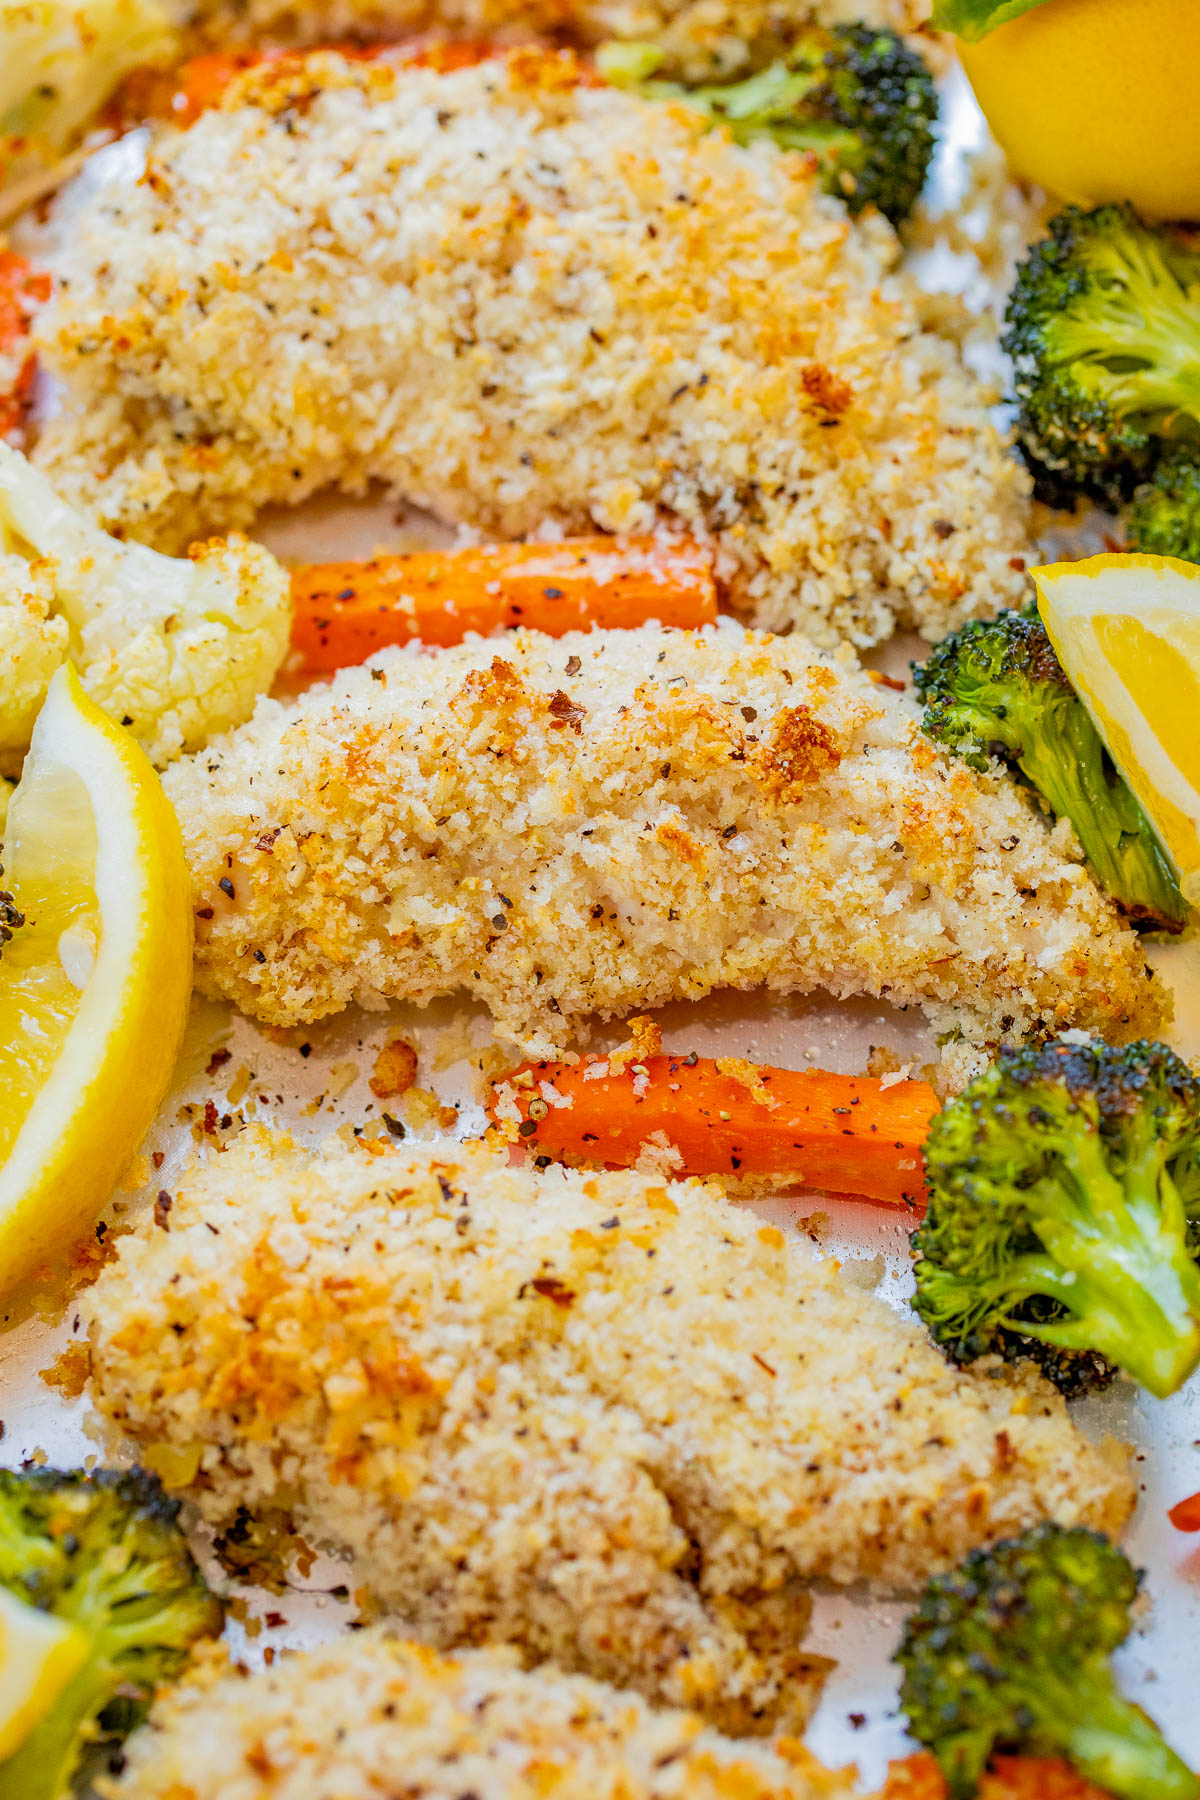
[395, 1070]
[645, 1039]
[69, 1372]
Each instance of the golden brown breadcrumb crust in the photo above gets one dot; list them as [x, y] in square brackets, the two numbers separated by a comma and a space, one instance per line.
[526, 303]
[372, 1716]
[616, 1422]
[612, 820]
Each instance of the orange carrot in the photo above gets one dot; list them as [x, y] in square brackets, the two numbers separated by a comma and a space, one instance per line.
[21, 290]
[846, 1134]
[200, 83]
[346, 611]
[1010, 1778]
[1186, 1516]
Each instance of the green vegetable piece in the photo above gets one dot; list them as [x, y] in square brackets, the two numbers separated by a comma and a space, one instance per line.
[861, 101]
[1064, 1215]
[106, 1552]
[1010, 1651]
[1164, 519]
[995, 688]
[1103, 327]
[973, 19]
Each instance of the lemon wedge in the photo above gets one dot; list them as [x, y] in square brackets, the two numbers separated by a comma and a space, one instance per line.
[1127, 632]
[39, 1655]
[94, 986]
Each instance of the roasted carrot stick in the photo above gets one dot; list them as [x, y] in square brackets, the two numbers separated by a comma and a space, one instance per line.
[1186, 1516]
[20, 292]
[846, 1134]
[1010, 1778]
[199, 83]
[346, 611]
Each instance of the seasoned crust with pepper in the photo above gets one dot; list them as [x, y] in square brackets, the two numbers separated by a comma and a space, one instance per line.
[612, 820]
[374, 1715]
[614, 1422]
[524, 301]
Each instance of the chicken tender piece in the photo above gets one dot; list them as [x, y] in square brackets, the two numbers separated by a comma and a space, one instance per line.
[525, 303]
[173, 649]
[701, 37]
[373, 1715]
[614, 1422]
[611, 820]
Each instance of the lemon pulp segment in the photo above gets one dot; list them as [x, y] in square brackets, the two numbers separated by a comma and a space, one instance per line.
[52, 840]
[94, 988]
[1127, 631]
[39, 1654]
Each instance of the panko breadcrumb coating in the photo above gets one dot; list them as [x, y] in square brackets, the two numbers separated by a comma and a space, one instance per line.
[372, 1715]
[525, 303]
[614, 1422]
[701, 37]
[611, 820]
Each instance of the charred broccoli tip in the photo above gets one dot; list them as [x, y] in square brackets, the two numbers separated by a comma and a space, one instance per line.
[860, 100]
[1011, 1650]
[1103, 327]
[105, 1552]
[995, 688]
[1064, 1215]
[1164, 519]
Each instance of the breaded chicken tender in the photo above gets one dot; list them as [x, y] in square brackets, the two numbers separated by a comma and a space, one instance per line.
[614, 1422]
[372, 1715]
[701, 37]
[526, 303]
[611, 820]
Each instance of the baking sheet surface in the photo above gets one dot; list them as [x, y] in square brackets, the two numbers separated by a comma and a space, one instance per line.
[327, 1089]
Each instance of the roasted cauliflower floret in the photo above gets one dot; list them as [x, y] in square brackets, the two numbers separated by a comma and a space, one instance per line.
[61, 61]
[33, 642]
[175, 648]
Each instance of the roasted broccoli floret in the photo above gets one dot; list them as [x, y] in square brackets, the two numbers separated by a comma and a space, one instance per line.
[995, 688]
[1064, 1211]
[1164, 519]
[860, 100]
[105, 1552]
[1104, 333]
[1011, 1650]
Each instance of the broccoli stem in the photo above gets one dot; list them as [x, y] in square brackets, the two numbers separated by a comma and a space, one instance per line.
[1130, 1285]
[1075, 773]
[1115, 1745]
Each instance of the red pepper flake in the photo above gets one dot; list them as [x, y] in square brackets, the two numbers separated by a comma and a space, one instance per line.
[210, 1118]
[552, 1289]
[162, 1209]
[1186, 1516]
[216, 1060]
